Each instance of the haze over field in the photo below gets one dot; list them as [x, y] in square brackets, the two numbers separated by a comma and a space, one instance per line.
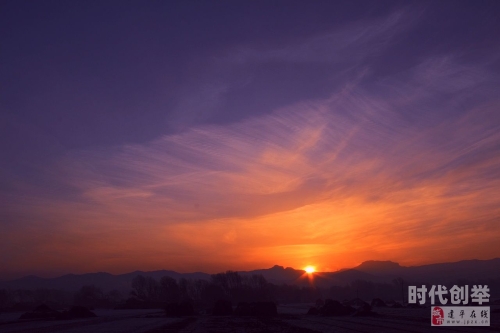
[206, 136]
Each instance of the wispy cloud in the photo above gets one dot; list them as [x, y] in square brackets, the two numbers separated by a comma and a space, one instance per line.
[342, 53]
[350, 44]
[381, 169]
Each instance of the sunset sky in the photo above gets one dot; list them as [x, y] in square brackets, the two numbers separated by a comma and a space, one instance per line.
[216, 135]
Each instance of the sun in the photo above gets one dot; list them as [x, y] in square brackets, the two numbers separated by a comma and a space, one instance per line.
[310, 269]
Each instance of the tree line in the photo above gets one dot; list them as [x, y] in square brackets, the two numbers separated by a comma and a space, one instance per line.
[147, 292]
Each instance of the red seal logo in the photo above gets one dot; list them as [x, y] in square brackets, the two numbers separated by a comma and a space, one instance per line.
[437, 316]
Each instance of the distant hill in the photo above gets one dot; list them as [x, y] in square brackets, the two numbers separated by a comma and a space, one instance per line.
[278, 274]
[375, 271]
[379, 267]
[434, 273]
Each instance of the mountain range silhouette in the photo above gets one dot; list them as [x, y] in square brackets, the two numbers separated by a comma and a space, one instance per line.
[375, 271]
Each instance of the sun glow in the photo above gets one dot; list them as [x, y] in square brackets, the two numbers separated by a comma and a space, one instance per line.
[310, 269]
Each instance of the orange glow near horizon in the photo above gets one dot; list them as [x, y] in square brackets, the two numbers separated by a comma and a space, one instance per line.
[320, 194]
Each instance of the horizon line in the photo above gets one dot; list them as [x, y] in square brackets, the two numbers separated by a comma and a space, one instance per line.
[257, 269]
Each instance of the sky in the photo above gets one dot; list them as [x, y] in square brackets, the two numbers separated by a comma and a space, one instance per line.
[216, 135]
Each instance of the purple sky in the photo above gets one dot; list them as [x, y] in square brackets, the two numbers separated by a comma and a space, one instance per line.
[214, 135]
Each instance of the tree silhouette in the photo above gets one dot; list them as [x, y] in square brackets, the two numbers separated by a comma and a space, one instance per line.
[170, 291]
[89, 296]
[399, 282]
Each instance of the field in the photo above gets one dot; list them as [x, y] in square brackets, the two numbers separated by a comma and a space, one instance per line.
[291, 319]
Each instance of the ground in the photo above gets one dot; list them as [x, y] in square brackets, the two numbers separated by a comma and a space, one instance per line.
[291, 319]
